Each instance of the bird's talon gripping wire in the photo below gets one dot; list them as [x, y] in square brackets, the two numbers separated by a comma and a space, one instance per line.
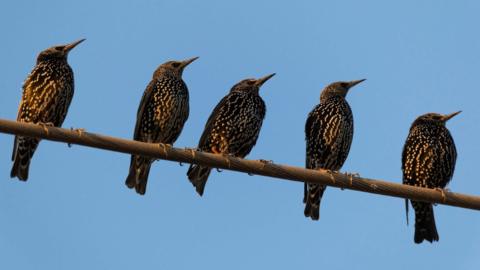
[350, 177]
[227, 159]
[330, 172]
[163, 148]
[442, 191]
[265, 162]
[45, 125]
[79, 131]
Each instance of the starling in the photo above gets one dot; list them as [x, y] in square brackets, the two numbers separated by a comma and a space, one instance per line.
[428, 160]
[328, 135]
[47, 93]
[232, 128]
[161, 115]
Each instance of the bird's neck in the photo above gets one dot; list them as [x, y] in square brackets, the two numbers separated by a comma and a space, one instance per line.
[331, 97]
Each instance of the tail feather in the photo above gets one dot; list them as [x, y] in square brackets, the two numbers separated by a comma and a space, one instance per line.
[138, 174]
[312, 196]
[23, 150]
[198, 176]
[425, 228]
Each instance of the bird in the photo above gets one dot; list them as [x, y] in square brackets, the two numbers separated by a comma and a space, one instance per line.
[161, 115]
[328, 136]
[232, 128]
[428, 160]
[46, 96]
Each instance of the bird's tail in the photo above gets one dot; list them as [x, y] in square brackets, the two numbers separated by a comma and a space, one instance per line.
[425, 228]
[23, 149]
[312, 195]
[138, 174]
[198, 176]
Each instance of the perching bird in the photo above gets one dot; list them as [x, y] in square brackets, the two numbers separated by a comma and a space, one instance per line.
[428, 160]
[328, 135]
[161, 115]
[47, 93]
[232, 128]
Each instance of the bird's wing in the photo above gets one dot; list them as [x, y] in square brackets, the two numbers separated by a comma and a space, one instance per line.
[217, 111]
[418, 162]
[28, 107]
[322, 134]
[147, 94]
[310, 134]
[448, 166]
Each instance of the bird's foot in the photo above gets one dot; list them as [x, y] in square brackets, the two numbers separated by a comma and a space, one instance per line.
[350, 176]
[265, 162]
[227, 157]
[443, 191]
[45, 126]
[330, 172]
[80, 132]
[165, 147]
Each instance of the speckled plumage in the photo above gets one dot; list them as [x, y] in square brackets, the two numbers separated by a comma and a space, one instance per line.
[328, 135]
[47, 94]
[428, 160]
[232, 128]
[161, 116]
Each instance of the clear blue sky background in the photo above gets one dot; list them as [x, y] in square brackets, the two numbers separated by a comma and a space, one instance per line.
[76, 213]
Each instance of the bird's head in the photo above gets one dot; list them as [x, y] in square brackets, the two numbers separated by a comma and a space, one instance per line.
[338, 89]
[251, 85]
[173, 67]
[58, 52]
[434, 118]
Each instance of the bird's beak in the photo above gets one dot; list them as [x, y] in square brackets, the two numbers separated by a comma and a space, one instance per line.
[447, 117]
[72, 45]
[261, 81]
[353, 83]
[188, 62]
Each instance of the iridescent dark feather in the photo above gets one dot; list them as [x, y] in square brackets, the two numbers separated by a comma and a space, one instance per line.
[47, 94]
[428, 160]
[161, 115]
[328, 135]
[232, 128]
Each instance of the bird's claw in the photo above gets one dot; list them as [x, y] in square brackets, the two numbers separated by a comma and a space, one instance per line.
[45, 125]
[164, 147]
[443, 191]
[80, 132]
[330, 172]
[351, 175]
[227, 157]
[265, 162]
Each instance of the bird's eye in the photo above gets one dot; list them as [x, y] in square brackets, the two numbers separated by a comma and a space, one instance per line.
[251, 82]
[176, 64]
[344, 85]
[59, 48]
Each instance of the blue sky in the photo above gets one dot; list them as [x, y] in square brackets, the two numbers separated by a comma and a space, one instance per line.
[76, 213]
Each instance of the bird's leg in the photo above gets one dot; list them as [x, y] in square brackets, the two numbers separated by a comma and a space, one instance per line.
[45, 125]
